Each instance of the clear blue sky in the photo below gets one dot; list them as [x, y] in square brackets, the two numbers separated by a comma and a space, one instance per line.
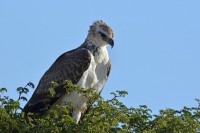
[156, 57]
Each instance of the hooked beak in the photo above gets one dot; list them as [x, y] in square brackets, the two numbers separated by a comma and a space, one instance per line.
[111, 42]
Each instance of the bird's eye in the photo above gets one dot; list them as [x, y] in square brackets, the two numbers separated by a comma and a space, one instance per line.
[102, 35]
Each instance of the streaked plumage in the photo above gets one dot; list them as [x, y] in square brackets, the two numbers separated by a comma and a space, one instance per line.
[87, 66]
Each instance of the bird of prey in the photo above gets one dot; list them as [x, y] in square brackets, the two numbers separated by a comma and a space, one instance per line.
[87, 66]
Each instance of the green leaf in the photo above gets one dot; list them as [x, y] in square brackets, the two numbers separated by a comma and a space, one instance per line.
[23, 98]
[52, 91]
[2, 90]
[19, 89]
[31, 85]
[54, 84]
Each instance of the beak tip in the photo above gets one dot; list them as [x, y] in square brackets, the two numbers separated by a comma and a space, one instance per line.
[111, 42]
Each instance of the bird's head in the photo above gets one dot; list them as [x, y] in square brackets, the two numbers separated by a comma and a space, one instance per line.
[101, 34]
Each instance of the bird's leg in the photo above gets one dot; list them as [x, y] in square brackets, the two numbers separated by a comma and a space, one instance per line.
[76, 115]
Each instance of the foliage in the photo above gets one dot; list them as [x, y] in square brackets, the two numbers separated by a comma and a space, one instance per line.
[103, 116]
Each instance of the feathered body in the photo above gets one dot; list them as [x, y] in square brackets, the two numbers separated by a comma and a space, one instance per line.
[87, 66]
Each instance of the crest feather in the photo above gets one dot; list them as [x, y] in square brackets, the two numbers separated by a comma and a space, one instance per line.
[101, 24]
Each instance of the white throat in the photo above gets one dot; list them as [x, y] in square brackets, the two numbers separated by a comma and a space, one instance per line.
[101, 56]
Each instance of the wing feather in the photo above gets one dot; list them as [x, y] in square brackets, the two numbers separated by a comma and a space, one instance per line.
[69, 66]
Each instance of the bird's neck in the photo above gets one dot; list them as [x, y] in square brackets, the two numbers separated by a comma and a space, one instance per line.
[99, 52]
[91, 46]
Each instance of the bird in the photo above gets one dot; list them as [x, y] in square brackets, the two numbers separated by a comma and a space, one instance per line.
[87, 66]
